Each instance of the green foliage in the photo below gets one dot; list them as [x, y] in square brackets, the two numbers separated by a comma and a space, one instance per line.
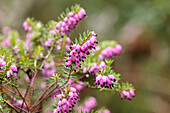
[51, 25]
[107, 43]
[26, 62]
[65, 14]
[3, 105]
[126, 86]
[37, 51]
[14, 35]
[82, 38]
[109, 62]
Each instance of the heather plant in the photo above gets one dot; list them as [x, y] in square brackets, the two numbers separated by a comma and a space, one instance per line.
[48, 66]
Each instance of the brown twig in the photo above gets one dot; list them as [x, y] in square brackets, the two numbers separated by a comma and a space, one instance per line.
[43, 93]
[32, 85]
[11, 91]
[72, 83]
[26, 93]
[14, 106]
[21, 97]
[48, 94]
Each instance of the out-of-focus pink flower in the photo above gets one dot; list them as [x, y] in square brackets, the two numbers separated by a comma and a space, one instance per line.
[27, 26]
[38, 25]
[49, 69]
[49, 42]
[52, 32]
[16, 49]
[94, 68]
[28, 42]
[110, 51]
[6, 42]
[78, 86]
[89, 104]
[6, 30]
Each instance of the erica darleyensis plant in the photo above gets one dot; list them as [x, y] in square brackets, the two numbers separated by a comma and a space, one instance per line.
[46, 72]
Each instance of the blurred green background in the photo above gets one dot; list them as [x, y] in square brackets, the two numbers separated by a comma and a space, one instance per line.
[141, 26]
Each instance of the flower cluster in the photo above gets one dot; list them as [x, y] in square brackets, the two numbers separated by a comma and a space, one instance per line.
[94, 68]
[89, 104]
[79, 51]
[27, 26]
[49, 42]
[110, 51]
[67, 101]
[64, 27]
[49, 69]
[2, 63]
[67, 46]
[28, 42]
[127, 94]
[6, 30]
[6, 42]
[11, 68]
[52, 32]
[15, 49]
[105, 81]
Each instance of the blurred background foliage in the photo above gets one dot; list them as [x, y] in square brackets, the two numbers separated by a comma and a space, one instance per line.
[141, 26]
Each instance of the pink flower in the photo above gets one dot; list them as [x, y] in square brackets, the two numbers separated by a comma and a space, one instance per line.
[27, 26]
[79, 51]
[66, 103]
[105, 81]
[13, 67]
[16, 49]
[49, 42]
[89, 104]
[68, 40]
[49, 69]
[52, 32]
[6, 30]
[69, 23]
[127, 94]
[110, 51]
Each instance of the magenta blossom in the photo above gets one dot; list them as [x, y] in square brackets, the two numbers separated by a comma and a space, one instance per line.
[110, 51]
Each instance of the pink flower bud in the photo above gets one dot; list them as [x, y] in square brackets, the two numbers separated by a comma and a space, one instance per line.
[85, 70]
[13, 67]
[70, 14]
[68, 40]
[131, 92]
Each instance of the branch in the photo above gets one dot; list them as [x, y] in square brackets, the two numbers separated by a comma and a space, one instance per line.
[21, 97]
[12, 91]
[14, 106]
[75, 81]
[32, 85]
[27, 90]
[43, 93]
[48, 94]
